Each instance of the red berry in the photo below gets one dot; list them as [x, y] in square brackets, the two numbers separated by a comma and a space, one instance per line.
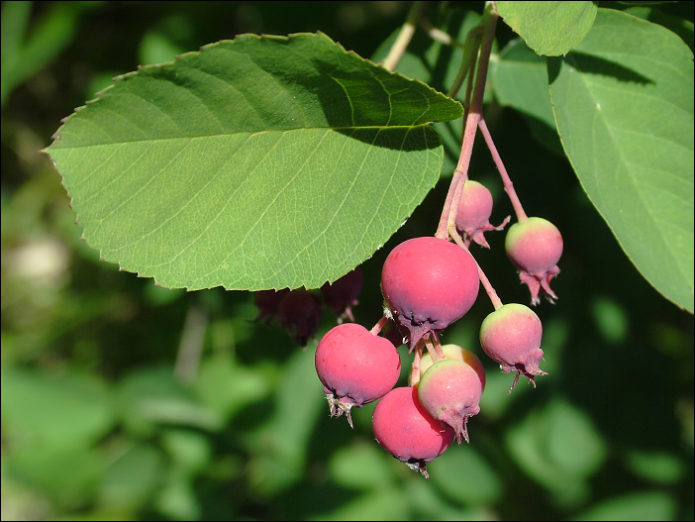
[450, 391]
[428, 284]
[342, 294]
[535, 246]
[299, 313]
[511, 336]
[473, 213]
[405, 429]
[355, 367]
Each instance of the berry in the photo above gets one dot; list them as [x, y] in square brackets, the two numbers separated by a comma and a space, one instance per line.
[473, 213]
[342, 294]
[299, 313]
[405, 429]
[455, 352]
[450, 391]
[428, 283]
[267, 302]
[535, 247]
[511, 336]
[355, 367]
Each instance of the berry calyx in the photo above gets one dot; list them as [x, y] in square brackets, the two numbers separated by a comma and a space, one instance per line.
[450, 391]
[355, 367]
[428, 283]
[473, 213]
[511, 336]
[342, 294]
[535, 246]
[407, 431]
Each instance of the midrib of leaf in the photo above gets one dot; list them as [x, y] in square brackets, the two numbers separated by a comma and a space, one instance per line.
[636, 186]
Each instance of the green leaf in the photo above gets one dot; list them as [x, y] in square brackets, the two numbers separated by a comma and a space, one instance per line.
[261, 162]
[623, 102]
[549, 28]
[559, 447]
[644, 505]
[520, 80]
[49, 36]
[54, 412]
[438, 64]
[465, 476]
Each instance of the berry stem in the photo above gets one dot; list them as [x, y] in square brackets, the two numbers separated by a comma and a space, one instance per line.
[415, 368]
[403, 39]
[438, 35]
[378, 326]
[437, 347]
[470, 51]
[489, 289]
[473, 116]
[508, 185]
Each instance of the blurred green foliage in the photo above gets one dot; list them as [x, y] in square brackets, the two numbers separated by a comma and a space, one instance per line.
[121, 400]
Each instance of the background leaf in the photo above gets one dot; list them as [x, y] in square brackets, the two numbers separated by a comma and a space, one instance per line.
[623, 102]
[262, 162]
[549, 28]
[520, 80]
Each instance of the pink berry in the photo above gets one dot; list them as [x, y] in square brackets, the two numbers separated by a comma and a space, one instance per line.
[299, 313]
[473, 213]
[428, 283]
[405, 429]
[535, 247]
[342, 295]
[450, 391]
[355, 367]
[511, 336]
[453, 351]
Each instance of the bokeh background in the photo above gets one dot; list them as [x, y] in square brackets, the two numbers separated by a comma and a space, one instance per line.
[121, 400]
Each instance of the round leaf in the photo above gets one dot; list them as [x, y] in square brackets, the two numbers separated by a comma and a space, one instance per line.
[261, 162]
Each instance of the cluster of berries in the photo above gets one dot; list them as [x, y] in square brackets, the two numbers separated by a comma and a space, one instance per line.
[429, 283]
[299, 311]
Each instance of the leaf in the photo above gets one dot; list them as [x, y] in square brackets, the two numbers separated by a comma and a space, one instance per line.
[549, 28]
[623, 102]
[54, 412]
[438, 64]
[520, 80]
[642, 505]
[261, 162]
[559, 447]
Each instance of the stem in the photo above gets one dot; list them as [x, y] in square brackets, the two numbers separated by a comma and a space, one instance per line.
[191, 344]
[489, 289]
[415, 368]
[438, 346]
[438, 35]
[379, 325]
[471, 123]
[508, 185]
[470, 50]
[403, 39]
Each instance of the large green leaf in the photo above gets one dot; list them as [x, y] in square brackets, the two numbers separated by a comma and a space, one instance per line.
[520, 80]
[549, 28]
[261, 162]
[623, 103]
